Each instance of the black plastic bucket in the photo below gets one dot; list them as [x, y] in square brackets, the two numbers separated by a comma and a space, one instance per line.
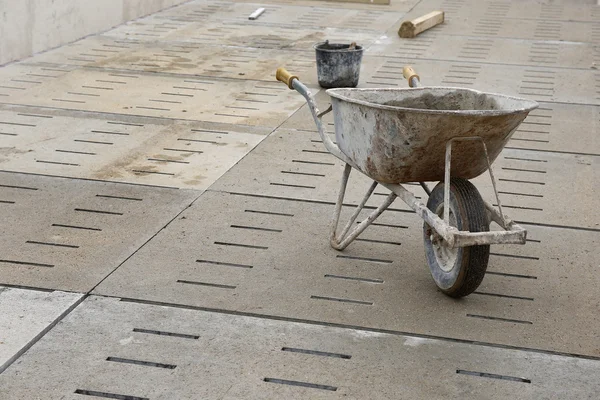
[338, 66]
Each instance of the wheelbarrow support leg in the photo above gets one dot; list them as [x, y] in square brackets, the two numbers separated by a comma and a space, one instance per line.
[348, 234]
[494, 214]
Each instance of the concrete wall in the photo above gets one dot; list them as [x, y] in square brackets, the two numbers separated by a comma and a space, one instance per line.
[31, 26]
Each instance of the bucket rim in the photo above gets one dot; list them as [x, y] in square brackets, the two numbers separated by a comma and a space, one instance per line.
[358, 48]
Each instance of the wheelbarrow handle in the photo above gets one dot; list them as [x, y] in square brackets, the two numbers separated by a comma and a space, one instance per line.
[284, 76]
[411, 76]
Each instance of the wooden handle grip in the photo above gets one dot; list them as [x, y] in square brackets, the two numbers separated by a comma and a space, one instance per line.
[410, 73]
[282, 75]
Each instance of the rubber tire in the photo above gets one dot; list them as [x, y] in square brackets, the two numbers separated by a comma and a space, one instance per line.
[471, 262]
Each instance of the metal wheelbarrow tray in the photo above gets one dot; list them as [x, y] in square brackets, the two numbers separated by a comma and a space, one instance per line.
[450, 135]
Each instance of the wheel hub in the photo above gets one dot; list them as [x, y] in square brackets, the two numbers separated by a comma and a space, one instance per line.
[444, 254]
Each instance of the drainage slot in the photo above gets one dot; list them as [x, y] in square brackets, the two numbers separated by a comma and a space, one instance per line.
[374, 260]
[290, 185]
[516, 321]
[198, 140]
[493, 376]
[18, 187]
[17, 124]
[138, 362]
[77, 227]
[269, 213]
[210, 131]
[388, 225]
[511, 275]
[378, 241]
[302, 173]
[98, 211]
[138, 171]
[368, 303]
[301, 384]
[92, 142]
[206, 284]
[524, 170]
[163, 333]
[56, 162]
[123, 123]
[504, 296]
[312, 162]
[30, 264]
[168, 161]
[352, 278]
[316, 353]
[118, 197]
[521, 207]
[184, 150]
[111, 133]
[315, 151]
[514, 256]
[75, 152]
[53, 244]
[109, 395]
[522, 194]
[224, 264]
[518, 181]
[249, 246]
[255, 228]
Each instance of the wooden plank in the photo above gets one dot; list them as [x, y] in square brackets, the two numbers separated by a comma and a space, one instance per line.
[410, 29]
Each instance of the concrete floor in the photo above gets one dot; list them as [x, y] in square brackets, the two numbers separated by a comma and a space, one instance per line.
[165, 208]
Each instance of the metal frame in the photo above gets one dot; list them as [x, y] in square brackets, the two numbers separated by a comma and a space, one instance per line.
[512, 234]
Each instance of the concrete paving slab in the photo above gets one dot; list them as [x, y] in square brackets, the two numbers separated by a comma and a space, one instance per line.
[151, 151]
[532, 82]
[395, 5]
[534, 188]
[242, 34]
[183, 59]
[108, 348]
[520, 20]
[153, 95]
[25, 315]
[573, 11]
[69, 234]
[494, 50]
[289, 14]
[272, 256]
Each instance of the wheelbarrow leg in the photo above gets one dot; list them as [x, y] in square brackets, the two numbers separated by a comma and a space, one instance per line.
[338, 205]
[348, 235]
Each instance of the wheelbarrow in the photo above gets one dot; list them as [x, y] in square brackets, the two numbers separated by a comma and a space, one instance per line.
[424, 134]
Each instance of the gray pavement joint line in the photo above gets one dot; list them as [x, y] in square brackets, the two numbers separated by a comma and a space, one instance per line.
[354, 327]
[33, 341]
[145, 243]
[577, 228]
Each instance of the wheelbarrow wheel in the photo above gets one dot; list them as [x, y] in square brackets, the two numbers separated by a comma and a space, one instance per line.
[457, 272]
